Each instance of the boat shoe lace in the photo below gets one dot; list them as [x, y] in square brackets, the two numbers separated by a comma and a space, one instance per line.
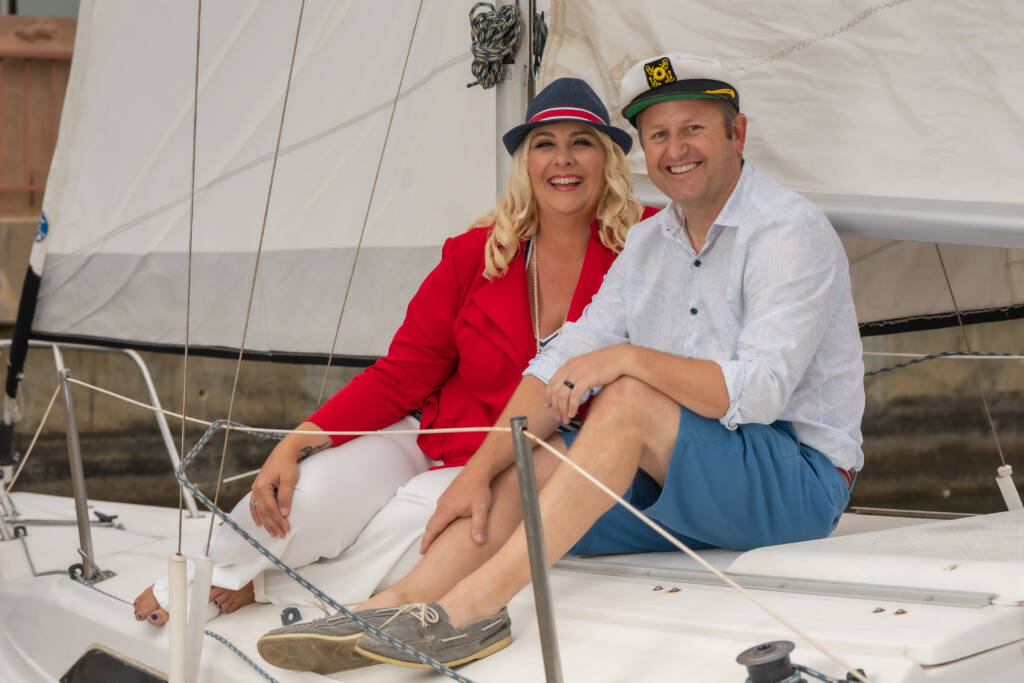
[427, 628]
[323, 645]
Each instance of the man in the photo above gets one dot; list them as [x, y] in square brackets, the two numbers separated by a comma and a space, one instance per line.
[725, 357]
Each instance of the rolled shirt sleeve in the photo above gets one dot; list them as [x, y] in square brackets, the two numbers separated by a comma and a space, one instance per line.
[793, 287]
[767, 297]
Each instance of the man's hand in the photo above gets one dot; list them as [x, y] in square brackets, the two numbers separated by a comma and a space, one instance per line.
[583, 373]
[468, 495]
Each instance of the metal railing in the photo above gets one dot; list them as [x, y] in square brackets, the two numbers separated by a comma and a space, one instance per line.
[74, 449]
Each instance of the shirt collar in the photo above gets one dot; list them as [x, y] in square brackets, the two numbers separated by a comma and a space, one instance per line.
[729, 216]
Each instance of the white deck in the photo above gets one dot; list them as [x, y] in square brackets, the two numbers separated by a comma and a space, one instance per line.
[612, 623]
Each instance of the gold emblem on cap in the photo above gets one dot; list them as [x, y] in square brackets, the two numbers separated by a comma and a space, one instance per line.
[659, 73]
[722, 91]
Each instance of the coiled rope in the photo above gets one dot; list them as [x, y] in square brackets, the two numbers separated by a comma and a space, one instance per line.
[495, 36]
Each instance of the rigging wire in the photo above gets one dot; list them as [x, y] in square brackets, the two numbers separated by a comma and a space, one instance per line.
[807, 42]
[916, 358]
[279, 432]
[256, 268]
[974, 365]
[188, 268]
[217, 512]
[24, 459]
[700, 560]
[369, 205]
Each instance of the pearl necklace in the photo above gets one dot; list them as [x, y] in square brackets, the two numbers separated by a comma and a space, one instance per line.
[535, 261]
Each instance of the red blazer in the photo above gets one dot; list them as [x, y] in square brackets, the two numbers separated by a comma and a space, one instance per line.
[460, 352]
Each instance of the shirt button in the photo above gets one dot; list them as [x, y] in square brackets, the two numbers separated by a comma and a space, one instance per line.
[697, 263]
[693, 311]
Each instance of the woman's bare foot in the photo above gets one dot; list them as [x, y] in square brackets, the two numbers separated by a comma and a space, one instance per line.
[148, 609]
[228, 600]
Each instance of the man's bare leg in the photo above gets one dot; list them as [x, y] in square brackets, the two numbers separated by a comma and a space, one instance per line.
[630, 426]
[454, 555]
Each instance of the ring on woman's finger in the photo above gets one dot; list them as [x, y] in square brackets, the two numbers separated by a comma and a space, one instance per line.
[569, 384]
[253, 504]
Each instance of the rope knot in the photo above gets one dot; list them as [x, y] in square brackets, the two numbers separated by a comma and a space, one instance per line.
[495, 36]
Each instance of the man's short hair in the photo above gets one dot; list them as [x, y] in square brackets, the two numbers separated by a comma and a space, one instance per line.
[728, 118]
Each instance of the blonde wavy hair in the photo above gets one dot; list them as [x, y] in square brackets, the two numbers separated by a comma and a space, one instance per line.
[515, 219]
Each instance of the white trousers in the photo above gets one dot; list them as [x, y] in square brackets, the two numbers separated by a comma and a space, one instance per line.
[357, 517]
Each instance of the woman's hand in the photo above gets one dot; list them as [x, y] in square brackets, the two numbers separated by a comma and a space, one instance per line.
[573, 381]
[271, 498]
[469, 495]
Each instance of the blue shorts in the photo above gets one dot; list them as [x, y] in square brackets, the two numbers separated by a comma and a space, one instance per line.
[737, 489]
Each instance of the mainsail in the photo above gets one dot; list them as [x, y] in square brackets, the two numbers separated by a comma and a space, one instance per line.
[901, 119]
[117, 202]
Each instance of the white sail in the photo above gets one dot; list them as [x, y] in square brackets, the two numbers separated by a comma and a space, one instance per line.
[901, 119]
[117, 202]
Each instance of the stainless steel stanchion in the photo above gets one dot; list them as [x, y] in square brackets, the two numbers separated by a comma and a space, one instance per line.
[538, 555]
[90, 572]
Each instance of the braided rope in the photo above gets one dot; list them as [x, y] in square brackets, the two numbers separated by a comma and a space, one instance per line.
[292, 574]
[245, 658]
[495, 36]
[828, 35]
[216, 636]
[933, 356]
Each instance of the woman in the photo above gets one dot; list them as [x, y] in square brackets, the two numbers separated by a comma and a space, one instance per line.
[499, 294]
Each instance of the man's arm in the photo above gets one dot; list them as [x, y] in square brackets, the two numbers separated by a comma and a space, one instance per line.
[697, 384]
[469, 494]
[796, 277]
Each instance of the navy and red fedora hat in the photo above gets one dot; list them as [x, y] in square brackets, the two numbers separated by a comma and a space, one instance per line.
[567, 99]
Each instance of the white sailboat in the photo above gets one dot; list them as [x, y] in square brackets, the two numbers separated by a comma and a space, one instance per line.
[900, 119]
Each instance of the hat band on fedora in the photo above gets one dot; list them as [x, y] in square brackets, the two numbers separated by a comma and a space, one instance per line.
[567, 113]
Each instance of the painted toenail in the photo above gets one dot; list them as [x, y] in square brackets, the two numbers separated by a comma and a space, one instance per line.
[153, 617]
[138, 617]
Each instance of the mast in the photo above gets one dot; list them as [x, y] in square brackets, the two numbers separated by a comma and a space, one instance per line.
[514, 92]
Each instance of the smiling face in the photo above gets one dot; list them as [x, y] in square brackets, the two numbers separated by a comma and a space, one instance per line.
[689, 155]
[565, 162]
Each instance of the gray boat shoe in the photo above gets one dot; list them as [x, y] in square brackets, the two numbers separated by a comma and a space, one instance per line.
[323, 646]
[428, 629]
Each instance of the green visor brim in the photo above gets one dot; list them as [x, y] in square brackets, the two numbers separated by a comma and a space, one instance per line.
[636, 107]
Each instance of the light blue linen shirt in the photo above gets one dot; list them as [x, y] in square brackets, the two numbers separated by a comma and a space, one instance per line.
[767, 298]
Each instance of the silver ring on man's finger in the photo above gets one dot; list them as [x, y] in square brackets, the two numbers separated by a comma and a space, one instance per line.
[253, 504]
[569, 384]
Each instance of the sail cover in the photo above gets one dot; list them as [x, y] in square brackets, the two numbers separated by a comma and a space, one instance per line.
[113, 253]
[901, 119]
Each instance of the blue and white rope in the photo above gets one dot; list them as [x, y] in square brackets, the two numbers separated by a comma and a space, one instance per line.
[216, 636]
[295, 576]
[495, 36]
[932, 356]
